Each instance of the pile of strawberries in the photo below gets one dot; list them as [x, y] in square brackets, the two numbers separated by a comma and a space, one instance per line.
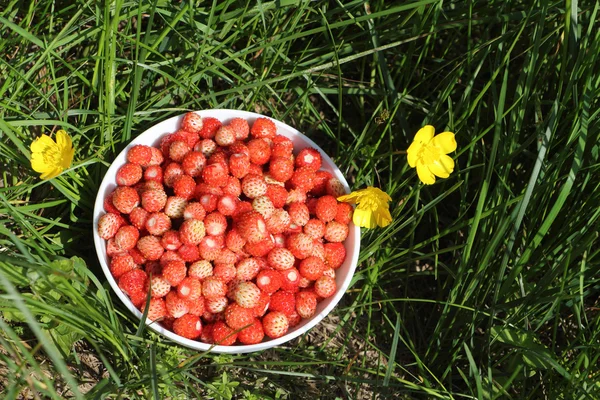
[227, 229]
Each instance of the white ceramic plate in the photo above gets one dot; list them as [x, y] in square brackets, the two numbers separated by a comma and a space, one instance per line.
[152, 137]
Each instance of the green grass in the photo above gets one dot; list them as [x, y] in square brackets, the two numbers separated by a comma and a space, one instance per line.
[485, 285]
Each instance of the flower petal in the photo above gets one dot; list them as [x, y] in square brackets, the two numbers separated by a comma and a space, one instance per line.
[445, 141]
[383, 217]
[364, 218]
[41, 144]
[67, 158]
[442, 167]
[38, 164]
[412, 153]
[425, 134]
[425, 174]
[351, 198]
[63, 140]
[51, 173]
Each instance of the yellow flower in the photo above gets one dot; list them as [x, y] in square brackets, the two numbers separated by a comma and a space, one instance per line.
[372, 207]
[428, 154]
[51, 158]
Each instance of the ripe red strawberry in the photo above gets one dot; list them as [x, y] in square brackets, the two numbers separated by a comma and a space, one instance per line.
[189, 252]
[220, 156]
[205, 188]
[157, 157]
[344, 213]
[133, 281]
[206, 336]
[138, 258]
[193, 163]
[242, 208]
[210, 126]
[197, 306]
[189, 289]
[279, 240]
[234, 241]
[125, 199]
[247, 269]
[184, 186]
[109, 224]
[112, 249]
[269, 281]
[335, 188]
[294, 320]
[314, 228]
[281, 259]
[108, 205]
[156, 309]
[170, 255]
[283, 301]
[165, 141]
[225, 136]
[318, 250]
[206, 147]
[277, 194]
[192, 122]
[239, 147]
[217, 305]
[158, 286]
[129, 174]
[191, 231]
[263, 128]
[239, 164]
[178, 150]
[335, 254]
[176, 306]
[240, 127]
[138, 298]
[263, 305]
[278, 222]
[300, 244]
[171, 172]
[209, 202]
[138, 217]
[330, 272]
[215, 174]
[174, 272]
[215, 224]
[226, 256]
[154, 200]
[326, 208]
[304, 282]
[298, 213]
[275, 324]
[260, 151]
[140, 155]
[260, 249]
[223, 335]
[281, 168]
[293, 228]
[256, 169]
[237, 316]
[253, 334]
[120, 264]
[188, 326]
[225, 271]
[213, 287]
[227, 205]
[126, 237]
[194, 211]
[200, 269]
[311, 204]
[303, 178]
[247, 294]
[233, 187]
[158, 223]
[310, 158]
[210, 247]
[336, 232]
[252, 227]
[296, 195]
[290, 280]
[175, 206]
[141, 187]
[325, 286]
[282, 146]
[254, 186]
[150, 247]
[312, 268]
[264, 206]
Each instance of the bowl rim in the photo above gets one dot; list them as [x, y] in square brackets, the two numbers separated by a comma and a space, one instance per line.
[194, 344]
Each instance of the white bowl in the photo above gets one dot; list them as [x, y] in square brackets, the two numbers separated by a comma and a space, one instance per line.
[152, 137]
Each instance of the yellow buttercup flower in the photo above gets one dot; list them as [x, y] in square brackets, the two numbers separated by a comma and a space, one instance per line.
[51, 158]
[429, 154]
[372, 207]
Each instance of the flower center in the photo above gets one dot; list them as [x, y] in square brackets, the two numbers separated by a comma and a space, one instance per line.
[52, 156]
[429, 153]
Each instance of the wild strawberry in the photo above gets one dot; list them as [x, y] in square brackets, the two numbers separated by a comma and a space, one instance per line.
[158, 286]
[225, 136]
[234, 241]
[191, 231]
[311, 204]
[140, 155]
[184, 186]
[165, 141]
[233, 187]
[126, 237]
[300, 244]
[318, 250]
[239, 165]
[189, 288]
[109, 206]
[260, 152]
[220, 156]
[206, 147]
[335, 188]
[247, 294]
[253, 334]
[263, 305]
[336, 232]
[293, 228]
[335, 254]
[312, 268]
[189, 252]
[138, 298]
[156, 309]
[310, 158]
[200, 269]
[277, 194]
[279, 240]
[142, 187]
[121, 264]
[281, 259]
[237, 316]
[263, 128]
[303, 178]
[192, 122]
[204, 188]
[226, 256]
[283, 301]
[138, 217]
[247, 269]
[294, 320]
[133, 281]
[167, 321]
[325, 286]
[138, 258]
[304, 282]
[290, 280]
[281, 168]
[254, 186]
[315, 228]
[112, 249]
[239, 147]
[326, 208]
[223, 335]
[170, 255]
[197, 306]
[153, 268]
[260, 249]
[252, 227]
[242, 208]
[272, 181]
[264, 206]
[125, 199]
[227, 205]
[215, 224]
[178, 150]
[206, 335]
[194, 211]
[296, 196]
[109, 224]
[275, 324]
[209, 202]
[298, 213]
[188, 326]
[154, 200]
[216, 305]
[157, 157]
[330, 272]
[269, 281]
[225, 271]
[344, 213]
[240, 128]
[215, 174]
[158, 223]
[213, 287]
[282, 146]
[174, 272]
[278, 222]
[208, 127]
[176, 306]
[255, 169]
[193, 163]
[171, 172]
[150, 247]
[129, 174]
[210, 247]
[175, 206]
